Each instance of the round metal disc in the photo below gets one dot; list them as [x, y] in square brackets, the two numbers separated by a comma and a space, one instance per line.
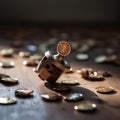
[73, 97]
[85, 106]
[3, 75]
[51, 97]
[30, 62]
[7, 64]
[9, 80]
[104, 89]
[7, 100]
[24, 54]
[61, 88]
[70, 82]
[63, 48]
[82, 57]
[23, 92]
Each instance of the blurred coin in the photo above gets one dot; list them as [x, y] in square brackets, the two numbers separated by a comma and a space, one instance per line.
[110, 51]
[7, 64]
[9, 80]
[30, 62]
[51, 97]
[104, 73]
[104, 89]
[36, 57]
[95, 76]
[70, 82]
[61, 88]
[7, 100]
[3, 75]
[84, 72]
[73, 97]
[63, 48]
[8, 52]
[100, 59]
[31, 48]
[24, 54]
[85, 106]
[23, 92]
[81, 56]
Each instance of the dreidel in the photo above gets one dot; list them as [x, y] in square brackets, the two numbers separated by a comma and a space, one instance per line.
[51, 67]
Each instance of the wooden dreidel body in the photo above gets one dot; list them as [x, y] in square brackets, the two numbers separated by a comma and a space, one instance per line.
[53, 65]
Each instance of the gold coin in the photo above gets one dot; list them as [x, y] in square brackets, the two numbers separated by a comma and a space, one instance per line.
[9, 80]
[70, 82]
[23, 92]
[8, 52]
[63, 48]
[73, 97]
[7, 100]
[104, 89]
[85, 106]
[51, 97]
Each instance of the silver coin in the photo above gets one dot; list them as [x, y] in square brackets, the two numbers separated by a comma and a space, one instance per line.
[51, 97]
[7, 100]
[7, 64]
[9, 80]
[100, 59]
[104, 89]
[73, 97]
[8, 52]
[81, 56]
[85, 106]
[70, 82]
[23, 92]
[24, 54]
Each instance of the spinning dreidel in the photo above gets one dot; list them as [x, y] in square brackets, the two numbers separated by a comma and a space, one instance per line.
[53, 65]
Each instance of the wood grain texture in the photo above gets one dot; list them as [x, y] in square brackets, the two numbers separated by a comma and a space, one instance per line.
[34, 108]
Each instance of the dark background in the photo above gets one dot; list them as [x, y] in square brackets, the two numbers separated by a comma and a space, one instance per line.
[60, 11]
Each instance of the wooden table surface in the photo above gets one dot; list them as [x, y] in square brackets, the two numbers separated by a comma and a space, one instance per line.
[34, 108]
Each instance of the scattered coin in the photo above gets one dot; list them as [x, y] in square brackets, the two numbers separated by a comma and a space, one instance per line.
[63, 48]
[95, 76]
[81, 56]
[31, 48]
[51, 97]
[100, 59]
[104, 89]
[23, 92]
[30, 62]
[70, 82]
[3, 75]
[24, 54]
[60, 87]
[73, 97]
[7, 100]
[9, 80]
[85, 106]
[84, 72]
[7, 64]
[8, 52]
[104, 73]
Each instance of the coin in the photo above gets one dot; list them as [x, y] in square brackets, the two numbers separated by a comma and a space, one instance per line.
[70, 82]
[24, 54]
[104, 89]
[100, 59]
[104, 73]
[60, 87]
[81, 56]
[70, 70]
[30, 62]
[7, 100]
[9, 80]
[84, 72]
[51, 97]
[23, 92]
[8, 52]
[3, 75]
[73, 97]
[31, 48]
[85, 106]
[63, 48]
[7, 64]
[95, 76]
